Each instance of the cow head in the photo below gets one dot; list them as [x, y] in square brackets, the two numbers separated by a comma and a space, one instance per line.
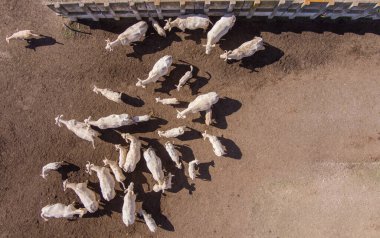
[208, 48]
[225, 55]
[108, 46]
[168, 26]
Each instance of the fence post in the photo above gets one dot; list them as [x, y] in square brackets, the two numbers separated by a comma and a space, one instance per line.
[88, 11]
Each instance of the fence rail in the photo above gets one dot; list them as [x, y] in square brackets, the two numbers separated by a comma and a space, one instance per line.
[116, 9]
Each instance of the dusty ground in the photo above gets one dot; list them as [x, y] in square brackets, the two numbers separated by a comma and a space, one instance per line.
[300, 121]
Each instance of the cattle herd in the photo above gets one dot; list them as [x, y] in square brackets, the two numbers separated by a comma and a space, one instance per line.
[129, 157]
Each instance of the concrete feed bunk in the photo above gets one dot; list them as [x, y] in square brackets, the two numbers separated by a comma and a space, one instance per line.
[116, 9]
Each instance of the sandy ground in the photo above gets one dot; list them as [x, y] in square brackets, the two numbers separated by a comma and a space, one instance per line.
[300, 122]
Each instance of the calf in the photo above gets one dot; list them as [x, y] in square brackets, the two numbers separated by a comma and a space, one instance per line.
[109, 94]
[245, 50]
[87, 196]
[148, 220]
[192, 168]
[153, 162]
[208, 117]
[116, 170]
[191, 22]
[167, 101]
[188, 75]
[107, 182]
[82, 130]
[173, 153]
[22, 35]
[133, 155]
[142, 118]
[203, 102]
[220, 28]
[218, 148]
[157, 27]
[49, 167]
[175, 132]
[129, 206]
[167, 184]
[160, 68]
[133, 33]
[60, 210]
[111, 121]
[122, 154]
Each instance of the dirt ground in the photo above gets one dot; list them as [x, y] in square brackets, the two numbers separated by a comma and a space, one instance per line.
[300, 121]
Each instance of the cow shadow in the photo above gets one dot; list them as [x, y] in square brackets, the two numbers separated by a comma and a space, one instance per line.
[197, 82]
[115, 205]
[152, 205]
[196, 36]
[204, 170]
[172, 79]
[144, 127]
[181, 104]
[186, 152]
[261, 58]
[111, 136]
[181, 181]
[152, 43]
[232, 150]
[66, 169]
[34, 43]
[190, 134]
[133, 101]
[223, 108]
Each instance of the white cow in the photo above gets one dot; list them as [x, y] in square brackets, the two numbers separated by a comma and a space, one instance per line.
[217, 146]
[167, 101]
[153, 162]
[82, 130]
[203, 102]
[86, 196]
[107, 182]
[111, 121]
[116, 170]
[122, 154]
[152, 226]
[160, 68]
[129, 206]
[208, 117]
[188, 75]
[22, 35]
[134, 154]
[245, 50]
[192, 168]
[220, 28]
[174, 132]
[191, 22]
[157, 27]
[133, 33]
[167, 184]
[142, 118]
[60, 210]
[109, 94]
[173, 153]
[49, 167]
